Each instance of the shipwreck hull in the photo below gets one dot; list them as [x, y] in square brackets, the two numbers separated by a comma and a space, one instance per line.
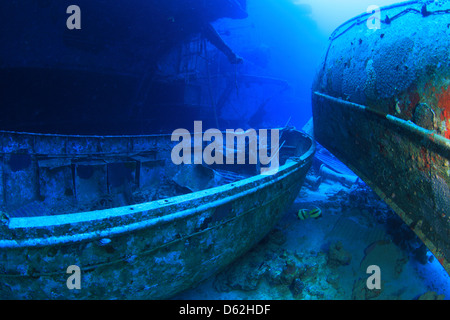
[380, 104]
[149, 250]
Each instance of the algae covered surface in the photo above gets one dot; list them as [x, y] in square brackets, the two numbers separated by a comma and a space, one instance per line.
[327, 258]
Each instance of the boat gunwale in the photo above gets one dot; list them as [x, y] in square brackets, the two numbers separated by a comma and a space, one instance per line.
[83, 135]
[61, 221]
[430, 135]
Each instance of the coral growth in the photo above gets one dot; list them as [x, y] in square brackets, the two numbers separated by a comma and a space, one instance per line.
[302, 275]
[338, 256]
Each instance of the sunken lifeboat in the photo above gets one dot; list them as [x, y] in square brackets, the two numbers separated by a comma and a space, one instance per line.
[381, 103]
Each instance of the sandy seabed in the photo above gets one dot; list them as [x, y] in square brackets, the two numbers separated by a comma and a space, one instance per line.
[327, 258]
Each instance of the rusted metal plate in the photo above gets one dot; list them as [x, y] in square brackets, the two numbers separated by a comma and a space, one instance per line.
[152, 250]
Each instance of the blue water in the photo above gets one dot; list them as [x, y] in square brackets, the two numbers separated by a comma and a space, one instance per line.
[358, 227]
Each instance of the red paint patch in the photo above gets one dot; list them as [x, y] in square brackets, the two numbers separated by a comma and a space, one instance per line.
[408, 102]
[444, 105]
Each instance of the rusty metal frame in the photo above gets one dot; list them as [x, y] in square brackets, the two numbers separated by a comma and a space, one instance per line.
[399, 160]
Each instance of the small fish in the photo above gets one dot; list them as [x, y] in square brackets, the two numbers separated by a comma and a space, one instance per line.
[104, 242]
[304, 214]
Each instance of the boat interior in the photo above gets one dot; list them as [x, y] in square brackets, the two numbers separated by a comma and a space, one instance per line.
[38, 184]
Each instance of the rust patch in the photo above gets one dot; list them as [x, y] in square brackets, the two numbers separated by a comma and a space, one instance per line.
[422, 160]
[406, 103]
[444, 105]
